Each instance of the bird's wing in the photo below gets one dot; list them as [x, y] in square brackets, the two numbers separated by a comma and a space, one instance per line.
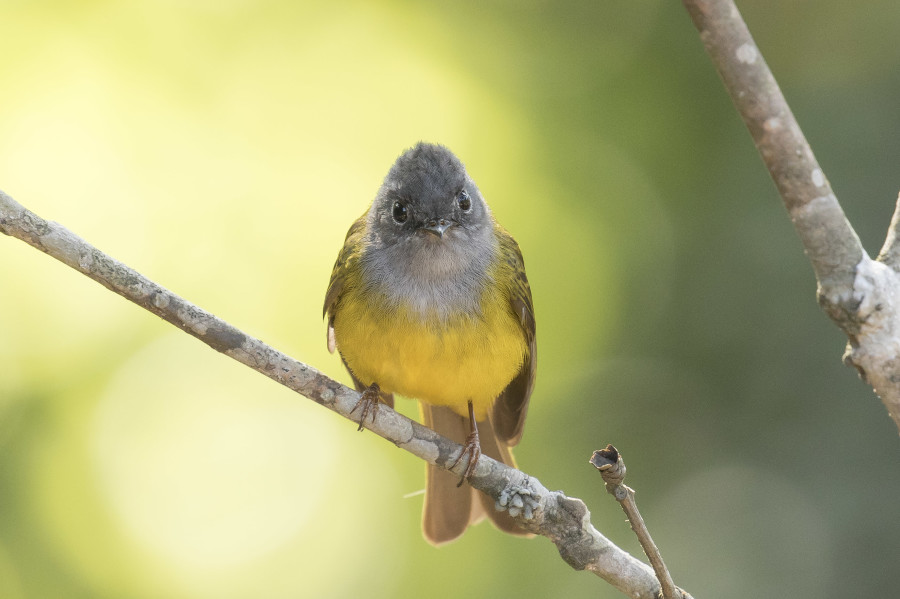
[508, 417]
[344, 263]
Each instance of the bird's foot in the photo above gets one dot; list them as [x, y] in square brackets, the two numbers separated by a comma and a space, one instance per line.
[368, 402]
[472, 448]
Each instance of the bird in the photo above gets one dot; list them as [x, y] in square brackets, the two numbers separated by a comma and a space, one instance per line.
[429, 299]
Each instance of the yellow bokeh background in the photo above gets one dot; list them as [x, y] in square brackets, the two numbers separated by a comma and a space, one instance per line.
[223, 149]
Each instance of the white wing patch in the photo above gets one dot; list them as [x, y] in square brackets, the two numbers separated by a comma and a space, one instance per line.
[332, 343]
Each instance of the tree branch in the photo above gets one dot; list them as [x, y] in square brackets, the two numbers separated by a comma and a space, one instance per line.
[830, 241]
[860, 295]
[564, 520]
[609, 463]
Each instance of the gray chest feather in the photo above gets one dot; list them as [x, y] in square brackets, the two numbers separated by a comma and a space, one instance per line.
[435, 278]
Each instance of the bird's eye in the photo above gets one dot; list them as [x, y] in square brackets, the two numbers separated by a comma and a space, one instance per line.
[465, 203]
[399, 213]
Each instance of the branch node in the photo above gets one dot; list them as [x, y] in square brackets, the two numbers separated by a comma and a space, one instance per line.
[611, 467]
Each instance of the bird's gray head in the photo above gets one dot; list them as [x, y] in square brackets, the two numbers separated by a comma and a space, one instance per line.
[429, 226]
[429, 197]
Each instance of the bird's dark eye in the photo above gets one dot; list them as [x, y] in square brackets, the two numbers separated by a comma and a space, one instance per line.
[399, 213]
[465, 203]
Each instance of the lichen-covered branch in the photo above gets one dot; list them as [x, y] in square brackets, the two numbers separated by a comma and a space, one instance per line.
[859, 294]
[564, 520]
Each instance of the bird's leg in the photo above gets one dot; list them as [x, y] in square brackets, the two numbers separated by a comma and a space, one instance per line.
[368, 401]
[472, 447]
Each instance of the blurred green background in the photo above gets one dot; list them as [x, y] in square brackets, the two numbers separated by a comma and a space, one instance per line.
[223, 147]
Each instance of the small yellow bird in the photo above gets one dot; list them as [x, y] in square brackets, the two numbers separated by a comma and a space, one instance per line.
[428, 299]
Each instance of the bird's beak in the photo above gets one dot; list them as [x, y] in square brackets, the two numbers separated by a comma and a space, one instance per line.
[437, 226]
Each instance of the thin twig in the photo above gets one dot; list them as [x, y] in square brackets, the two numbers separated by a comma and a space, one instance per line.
[612, 468]
[564, 520]
[890, 251]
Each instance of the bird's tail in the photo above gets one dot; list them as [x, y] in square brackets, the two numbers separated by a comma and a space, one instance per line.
[449, 509]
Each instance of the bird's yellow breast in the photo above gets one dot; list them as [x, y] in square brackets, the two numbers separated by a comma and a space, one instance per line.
[446, 360]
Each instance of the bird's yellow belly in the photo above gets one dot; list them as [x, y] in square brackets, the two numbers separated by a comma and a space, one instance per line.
[444, 362]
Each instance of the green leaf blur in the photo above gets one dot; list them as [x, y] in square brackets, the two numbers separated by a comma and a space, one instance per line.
[223, 148]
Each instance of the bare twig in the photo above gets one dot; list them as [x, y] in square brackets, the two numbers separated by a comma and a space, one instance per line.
[564, 520]
[860, 295]
[612, 468]
[890, 252]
